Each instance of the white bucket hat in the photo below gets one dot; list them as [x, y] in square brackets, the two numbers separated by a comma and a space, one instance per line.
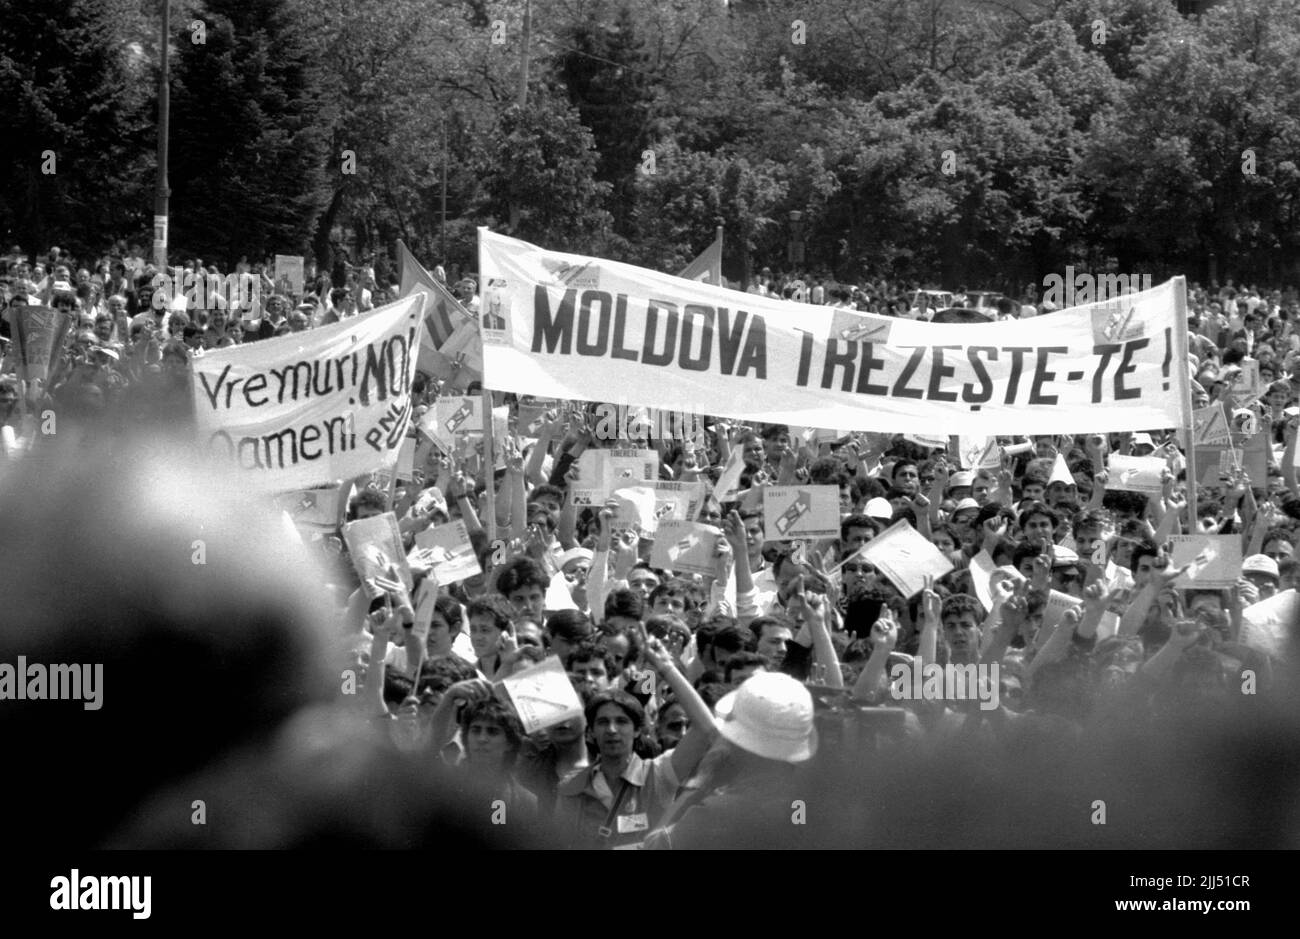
[770, 715]
[575, 554]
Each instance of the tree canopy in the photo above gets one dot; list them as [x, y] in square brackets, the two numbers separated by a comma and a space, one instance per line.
[952, 141]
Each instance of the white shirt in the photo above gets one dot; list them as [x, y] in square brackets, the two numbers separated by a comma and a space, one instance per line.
[765, 590]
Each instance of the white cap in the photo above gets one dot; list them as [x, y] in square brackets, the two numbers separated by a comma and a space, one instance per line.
[880, 508]
[770, 715]
[1063, 556]
[1261, 564]
[964, 478]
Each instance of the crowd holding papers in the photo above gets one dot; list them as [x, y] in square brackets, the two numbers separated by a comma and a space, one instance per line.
[542, 695]
[799, 512]
[375, 546]
[289, 275]
[685, 547]
[634, 511]
[903, 555]
[985, 576]
[676, 500]
[600, 472]
[1135, 473]
[1215, 560]
[447, 551]
[1210, 425]
[1248, 386]
[1057, 605]
[450, 416]
[315, 509]
[977, 453]
[643, 507]
[334, 403]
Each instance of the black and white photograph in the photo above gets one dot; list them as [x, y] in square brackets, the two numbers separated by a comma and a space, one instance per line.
[861, 426]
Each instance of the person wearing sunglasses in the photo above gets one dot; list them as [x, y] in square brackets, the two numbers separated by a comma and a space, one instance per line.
[1067, 572]
[858, 574]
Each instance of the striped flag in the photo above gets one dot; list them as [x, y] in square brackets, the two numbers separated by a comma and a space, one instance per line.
[708, 266]
[443, 313]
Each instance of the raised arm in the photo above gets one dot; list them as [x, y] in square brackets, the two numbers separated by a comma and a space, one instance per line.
[598, 575]
[814, 612]
[1288, 458]
[567, 529]
[442, 726]
[545, 434]
[1181, 638]
[1058, 645]
[457, 491]
[931, 606]
[1005, 619]
[518, 492]
[687, 754]
[383, 624]
[1095, 599]
[937, 489]
[734, 530]
[921, 508]
[884, 639]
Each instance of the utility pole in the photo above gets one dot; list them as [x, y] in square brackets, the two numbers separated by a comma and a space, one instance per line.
[162, 190]
[523, 54]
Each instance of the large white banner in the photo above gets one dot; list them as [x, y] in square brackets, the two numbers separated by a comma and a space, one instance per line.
[566, 326]
[309, 408]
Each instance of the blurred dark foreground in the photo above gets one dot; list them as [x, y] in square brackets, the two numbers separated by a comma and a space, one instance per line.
[221, 686]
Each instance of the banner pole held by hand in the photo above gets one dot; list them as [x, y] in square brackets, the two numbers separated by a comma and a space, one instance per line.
[490, 462]
[1181, 363]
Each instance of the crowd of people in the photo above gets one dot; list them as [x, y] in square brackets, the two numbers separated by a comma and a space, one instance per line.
[705, 696]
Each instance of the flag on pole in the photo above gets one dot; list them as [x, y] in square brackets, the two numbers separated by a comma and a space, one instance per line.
[708, 266]
[445, 320]
[442, 312]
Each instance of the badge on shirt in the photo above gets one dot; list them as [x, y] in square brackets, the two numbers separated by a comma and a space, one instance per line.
[635, 822]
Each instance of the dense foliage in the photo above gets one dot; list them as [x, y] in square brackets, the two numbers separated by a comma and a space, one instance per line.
[984, 142]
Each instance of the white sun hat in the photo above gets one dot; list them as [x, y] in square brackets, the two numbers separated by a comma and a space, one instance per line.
[770, 715]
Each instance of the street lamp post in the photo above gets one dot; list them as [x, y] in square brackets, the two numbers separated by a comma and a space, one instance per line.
[796, 237]
[162, 190]
[525, 52]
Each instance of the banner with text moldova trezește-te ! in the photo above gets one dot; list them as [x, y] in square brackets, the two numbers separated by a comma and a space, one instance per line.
[309, 408]
[566, 326]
